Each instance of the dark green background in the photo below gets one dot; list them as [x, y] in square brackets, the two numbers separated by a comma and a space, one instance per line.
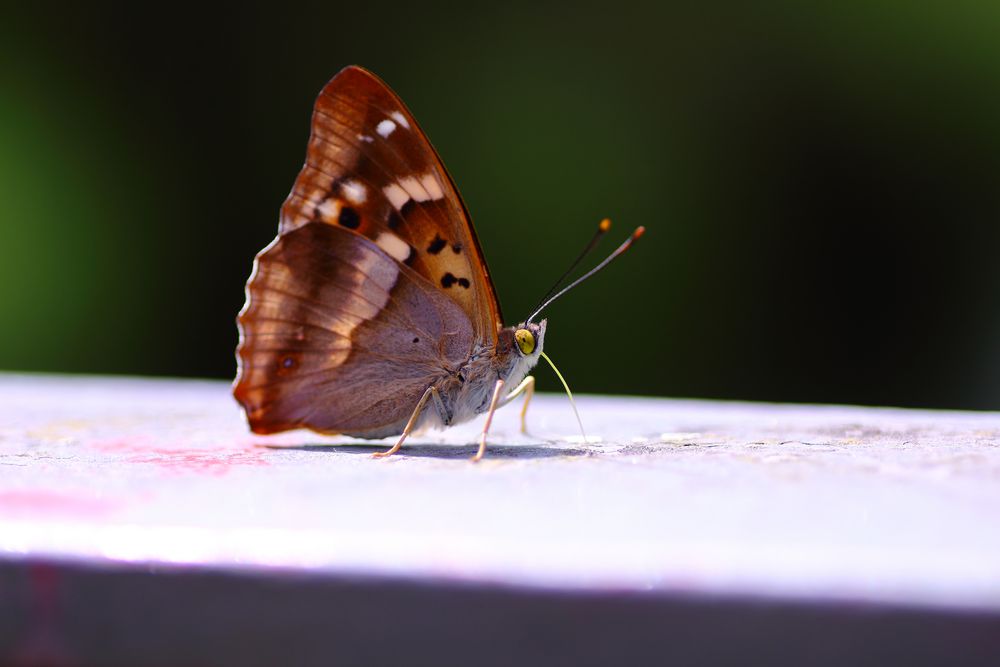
[820, 186]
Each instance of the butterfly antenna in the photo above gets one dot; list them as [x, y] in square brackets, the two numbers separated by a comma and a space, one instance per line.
[618, 251]
[602, 229]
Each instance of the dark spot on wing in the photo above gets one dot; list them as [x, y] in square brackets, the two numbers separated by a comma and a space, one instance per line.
[464, 282]
[395, 219]
[287, 364]
[317, 216]
[349, 218]
[436, 246]
[416, 340]
[456, 248]
[448, 280]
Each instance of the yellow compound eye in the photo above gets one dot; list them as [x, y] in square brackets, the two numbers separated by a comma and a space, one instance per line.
[525, 340]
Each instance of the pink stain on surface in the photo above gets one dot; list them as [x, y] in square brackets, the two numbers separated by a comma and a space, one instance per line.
[200, 461]
[180, 458]
[36, 502]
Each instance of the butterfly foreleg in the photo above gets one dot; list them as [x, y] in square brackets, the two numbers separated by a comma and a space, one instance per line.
[527, 387]
[430, 392]
[494, 404]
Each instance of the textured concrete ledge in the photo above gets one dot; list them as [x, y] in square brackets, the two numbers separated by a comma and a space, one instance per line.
[141, 522]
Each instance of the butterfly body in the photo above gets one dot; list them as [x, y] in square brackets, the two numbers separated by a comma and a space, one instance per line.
[477, 378]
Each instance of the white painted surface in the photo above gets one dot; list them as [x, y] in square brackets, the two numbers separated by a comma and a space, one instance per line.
[804, 502]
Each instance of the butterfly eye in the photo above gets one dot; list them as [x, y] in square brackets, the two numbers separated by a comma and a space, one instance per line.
[525, 341]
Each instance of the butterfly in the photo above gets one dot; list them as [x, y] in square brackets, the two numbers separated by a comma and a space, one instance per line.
[372, 313]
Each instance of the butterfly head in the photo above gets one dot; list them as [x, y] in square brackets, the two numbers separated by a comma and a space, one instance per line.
[518, 350]
[528, 338]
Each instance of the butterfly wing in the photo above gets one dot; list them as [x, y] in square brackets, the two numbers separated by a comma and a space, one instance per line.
[339, 337]
[376, 285]
[371, 169]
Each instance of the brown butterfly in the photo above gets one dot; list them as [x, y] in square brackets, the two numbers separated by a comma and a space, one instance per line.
[372, 313]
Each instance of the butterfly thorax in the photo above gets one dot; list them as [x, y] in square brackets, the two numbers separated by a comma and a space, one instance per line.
[466, 392]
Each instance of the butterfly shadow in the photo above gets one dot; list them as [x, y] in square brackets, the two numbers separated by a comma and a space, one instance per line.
[439, 451]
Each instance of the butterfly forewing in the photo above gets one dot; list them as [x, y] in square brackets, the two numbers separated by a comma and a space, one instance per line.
[371, 169]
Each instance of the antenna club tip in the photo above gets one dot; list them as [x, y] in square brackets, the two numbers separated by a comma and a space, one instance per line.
[605, 225]
[639, 231]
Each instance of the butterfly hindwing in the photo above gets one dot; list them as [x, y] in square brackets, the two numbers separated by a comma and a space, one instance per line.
[338, 337]
[369, 168]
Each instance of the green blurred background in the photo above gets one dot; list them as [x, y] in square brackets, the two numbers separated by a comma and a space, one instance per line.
[820, 185]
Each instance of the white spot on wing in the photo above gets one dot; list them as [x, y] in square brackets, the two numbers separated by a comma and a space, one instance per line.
[395, 246]
[379, 271]
[374, 266]
[424, 188]
[365, 138]
[430, 183]
[397, 196]
[354, 191]
[414, 188]
[400, 118]
[385, 128]
[329, 209]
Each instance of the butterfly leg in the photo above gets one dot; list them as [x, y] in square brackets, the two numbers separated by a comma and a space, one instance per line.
[527, 387]
[494, 403]
[431, 392]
